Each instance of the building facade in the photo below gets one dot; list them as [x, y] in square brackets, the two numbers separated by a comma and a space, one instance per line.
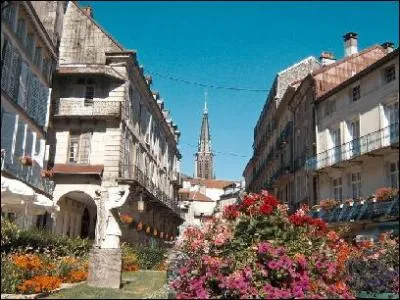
[357, 126]
[282, 147]
[272, 147]
[109, 129]
[204, 157]
[302, 104]
[29, 56]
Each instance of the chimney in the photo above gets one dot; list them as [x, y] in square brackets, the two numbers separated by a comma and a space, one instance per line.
[350, 43]
[389, 46]
[327, 58]
[88, 11]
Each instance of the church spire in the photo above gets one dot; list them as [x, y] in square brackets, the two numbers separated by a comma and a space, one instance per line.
[204, 165]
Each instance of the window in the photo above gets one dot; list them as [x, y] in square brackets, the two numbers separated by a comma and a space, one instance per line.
[89, 94]
[356, 184]
[394, 174]
[330, 107]
[356, 93]
[338, 189]
[79, 147]
[390, 74]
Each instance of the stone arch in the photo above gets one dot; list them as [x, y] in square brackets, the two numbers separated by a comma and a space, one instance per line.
[77, 216]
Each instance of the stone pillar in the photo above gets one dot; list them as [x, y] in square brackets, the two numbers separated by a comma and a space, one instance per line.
[105, 259]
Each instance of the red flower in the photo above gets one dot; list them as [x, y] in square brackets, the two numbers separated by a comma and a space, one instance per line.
[266, 209]
[231, 212]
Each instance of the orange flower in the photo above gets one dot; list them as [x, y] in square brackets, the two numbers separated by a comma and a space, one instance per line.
[28, 261]
[76, 276]
[39, 284]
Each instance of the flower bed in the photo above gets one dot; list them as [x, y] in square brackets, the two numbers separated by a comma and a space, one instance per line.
[257, 251]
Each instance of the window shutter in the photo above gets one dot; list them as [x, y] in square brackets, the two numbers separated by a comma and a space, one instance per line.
[20, 139]
[38, 57]
[21, 30]
[13, 81]
[84, 147]
[29, 143]
[349, 186]
[6, 65]
[387, 174]
[8, 130]
[33, 105]
[42, 103]
[23, 85]
[30, 44]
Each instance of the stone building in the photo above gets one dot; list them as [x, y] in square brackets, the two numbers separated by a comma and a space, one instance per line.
[272, 146]
[285, 132]
[315, 85]
[110, 130]
[357, 133]
[204, 156]
[29, 53]
[199, 198]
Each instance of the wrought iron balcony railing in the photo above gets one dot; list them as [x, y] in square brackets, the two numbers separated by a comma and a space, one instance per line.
[360, 212]
[375, 140]
[81, 108]
[30, 175]
[157, 193]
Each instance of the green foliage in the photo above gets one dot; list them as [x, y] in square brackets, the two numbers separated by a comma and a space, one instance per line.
[9, 233]
[147, 257]
[41, 241]
[11, 275]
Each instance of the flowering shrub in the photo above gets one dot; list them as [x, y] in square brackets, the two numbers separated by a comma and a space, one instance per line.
[256, 251]
[39, 284]
[385, 193]
[328, 203]
[76, 276]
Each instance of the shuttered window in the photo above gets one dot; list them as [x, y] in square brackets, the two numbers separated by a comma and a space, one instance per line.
[33, 103]
[20, 139]
[5, 64]
[38, 57]
[23, 86]
[45, 69]
[42, 102]
[29, 143]
[8, 135]
[79, 147]
[8, 13]
[21, 31]
[13, 81]
[30, 44]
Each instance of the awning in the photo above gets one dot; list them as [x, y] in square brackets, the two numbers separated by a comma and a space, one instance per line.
[14, 191]
[18, 197]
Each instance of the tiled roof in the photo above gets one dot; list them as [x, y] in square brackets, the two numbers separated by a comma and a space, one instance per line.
[197, 196]
[212, 183]
[77, 169]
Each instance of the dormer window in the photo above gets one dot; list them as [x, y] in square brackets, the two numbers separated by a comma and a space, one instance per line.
[356, 93]
[390, 74]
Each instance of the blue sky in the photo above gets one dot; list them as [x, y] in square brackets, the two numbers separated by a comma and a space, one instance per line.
[235, 44]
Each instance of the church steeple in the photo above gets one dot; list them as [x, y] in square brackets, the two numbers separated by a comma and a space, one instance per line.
[204, 155]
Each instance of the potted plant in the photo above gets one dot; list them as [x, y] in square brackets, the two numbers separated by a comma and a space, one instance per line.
[385, 194]
[139, 226]
[126, 218]
[26, 160]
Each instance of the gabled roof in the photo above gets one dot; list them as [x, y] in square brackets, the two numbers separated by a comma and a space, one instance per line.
[212, 183]
[357, 76]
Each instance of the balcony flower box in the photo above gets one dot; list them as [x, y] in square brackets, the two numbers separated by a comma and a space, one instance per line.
[385, 194]
[26, 160]
[148, 229]
[139, 226]
[126, 218]
[47, 173]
